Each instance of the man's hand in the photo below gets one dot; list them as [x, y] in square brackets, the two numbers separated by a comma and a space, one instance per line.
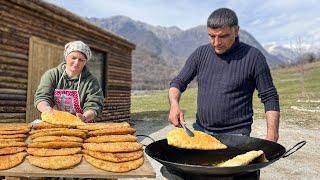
[272, 125]
[272, 136]
[175, 115]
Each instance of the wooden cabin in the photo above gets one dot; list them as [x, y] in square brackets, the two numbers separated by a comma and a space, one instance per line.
[32, 38]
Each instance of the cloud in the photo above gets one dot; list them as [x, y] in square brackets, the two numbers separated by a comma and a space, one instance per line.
[268, 21]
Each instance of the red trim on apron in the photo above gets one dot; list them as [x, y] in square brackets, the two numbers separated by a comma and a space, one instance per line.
[67, 100]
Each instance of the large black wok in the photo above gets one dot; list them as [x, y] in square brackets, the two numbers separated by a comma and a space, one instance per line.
[202, 162]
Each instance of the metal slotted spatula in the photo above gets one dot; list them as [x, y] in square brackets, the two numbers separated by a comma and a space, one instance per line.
[186, 129]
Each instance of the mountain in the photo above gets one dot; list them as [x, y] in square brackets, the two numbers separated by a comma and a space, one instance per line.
[164, 50]
[287, 55]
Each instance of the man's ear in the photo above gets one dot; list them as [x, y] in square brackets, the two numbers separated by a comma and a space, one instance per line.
[236, 30]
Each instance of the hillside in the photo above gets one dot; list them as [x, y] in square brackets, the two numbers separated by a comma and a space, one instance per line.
[298, 106]
[169, 47]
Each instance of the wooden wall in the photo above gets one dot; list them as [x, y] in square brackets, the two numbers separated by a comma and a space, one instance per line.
[19, 20]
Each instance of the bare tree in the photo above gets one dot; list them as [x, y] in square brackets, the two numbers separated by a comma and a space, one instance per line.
[299, 50]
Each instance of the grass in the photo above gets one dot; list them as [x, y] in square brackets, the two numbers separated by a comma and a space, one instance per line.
[154, 106]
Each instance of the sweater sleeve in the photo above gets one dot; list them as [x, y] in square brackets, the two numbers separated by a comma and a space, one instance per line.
[187, 74]
[45, 89]
[264, 84]
[94, 97]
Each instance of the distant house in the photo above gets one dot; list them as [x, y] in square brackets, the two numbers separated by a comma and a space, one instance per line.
[32, 37]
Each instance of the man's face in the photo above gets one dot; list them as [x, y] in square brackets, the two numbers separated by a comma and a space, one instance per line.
[222, 38]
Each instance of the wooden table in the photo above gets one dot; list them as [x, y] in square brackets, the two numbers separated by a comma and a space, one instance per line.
[83, 170]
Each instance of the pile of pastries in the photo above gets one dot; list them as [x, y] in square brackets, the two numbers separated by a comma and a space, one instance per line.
[54, 144]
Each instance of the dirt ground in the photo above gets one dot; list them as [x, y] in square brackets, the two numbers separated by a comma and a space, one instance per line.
[303, 164]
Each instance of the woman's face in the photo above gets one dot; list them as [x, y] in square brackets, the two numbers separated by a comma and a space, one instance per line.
[75, 62]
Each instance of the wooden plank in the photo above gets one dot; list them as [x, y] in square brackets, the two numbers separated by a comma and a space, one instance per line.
[12, 120]
[12, 115]
[12, 97]
[42, 56]
[83, 170]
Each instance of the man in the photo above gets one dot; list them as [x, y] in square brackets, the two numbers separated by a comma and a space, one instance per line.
[228, 72]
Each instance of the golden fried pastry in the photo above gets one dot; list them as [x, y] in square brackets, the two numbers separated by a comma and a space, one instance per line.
[55, 162]
[114, 167]
[11, 150]
[45, 125]
[112, 138]
[46, 130]
[244, 159]
[57, 138]
[67, 132]
[113, 147]
[12, 144]
[53, 152]
[112, 131]
[202, 141]
[97, 126]
[12, 160]
[54, 144]
[61, 118]
[12, 136]
[14, 126]
[14, 139]
[115, 157]
[21, 131]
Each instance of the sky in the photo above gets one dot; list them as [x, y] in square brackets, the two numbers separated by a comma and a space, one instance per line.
[280, 22]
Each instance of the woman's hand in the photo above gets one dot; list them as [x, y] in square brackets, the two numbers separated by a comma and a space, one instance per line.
[83, 118]
[87, 116]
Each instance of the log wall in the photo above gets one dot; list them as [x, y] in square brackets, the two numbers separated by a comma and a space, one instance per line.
[20, 19]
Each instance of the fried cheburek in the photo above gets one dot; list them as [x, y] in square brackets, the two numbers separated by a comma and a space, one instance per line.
[45, 125]
[12, 160]
[112, 166]
[244, 159]
[97, 126]
[113, 147]
[13, 139]
[53, 152]
[55, 162]
[12, 136]
[21, 131]
[57, 138]
[14, 126]
[115, 157]
[112, 131]
[12, 144]
[112, 138]
[11, 150]
[61, 118]
[54, 144]
[202, 141]
[46, 130]
[67, 132]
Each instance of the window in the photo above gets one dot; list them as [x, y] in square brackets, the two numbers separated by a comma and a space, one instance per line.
[97, 66]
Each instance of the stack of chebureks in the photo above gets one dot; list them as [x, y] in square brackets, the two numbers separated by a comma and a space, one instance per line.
[55, 146]
[12, 144]
[112, 147]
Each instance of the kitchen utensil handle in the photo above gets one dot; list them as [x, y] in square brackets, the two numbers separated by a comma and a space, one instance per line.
[187, 130]
[292, 150]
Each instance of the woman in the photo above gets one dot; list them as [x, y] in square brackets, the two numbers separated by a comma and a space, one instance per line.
[70, 86]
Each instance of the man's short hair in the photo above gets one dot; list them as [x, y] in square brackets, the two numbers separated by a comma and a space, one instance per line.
[222, 17]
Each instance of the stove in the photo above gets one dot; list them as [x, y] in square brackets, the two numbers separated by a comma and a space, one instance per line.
[175, 175]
